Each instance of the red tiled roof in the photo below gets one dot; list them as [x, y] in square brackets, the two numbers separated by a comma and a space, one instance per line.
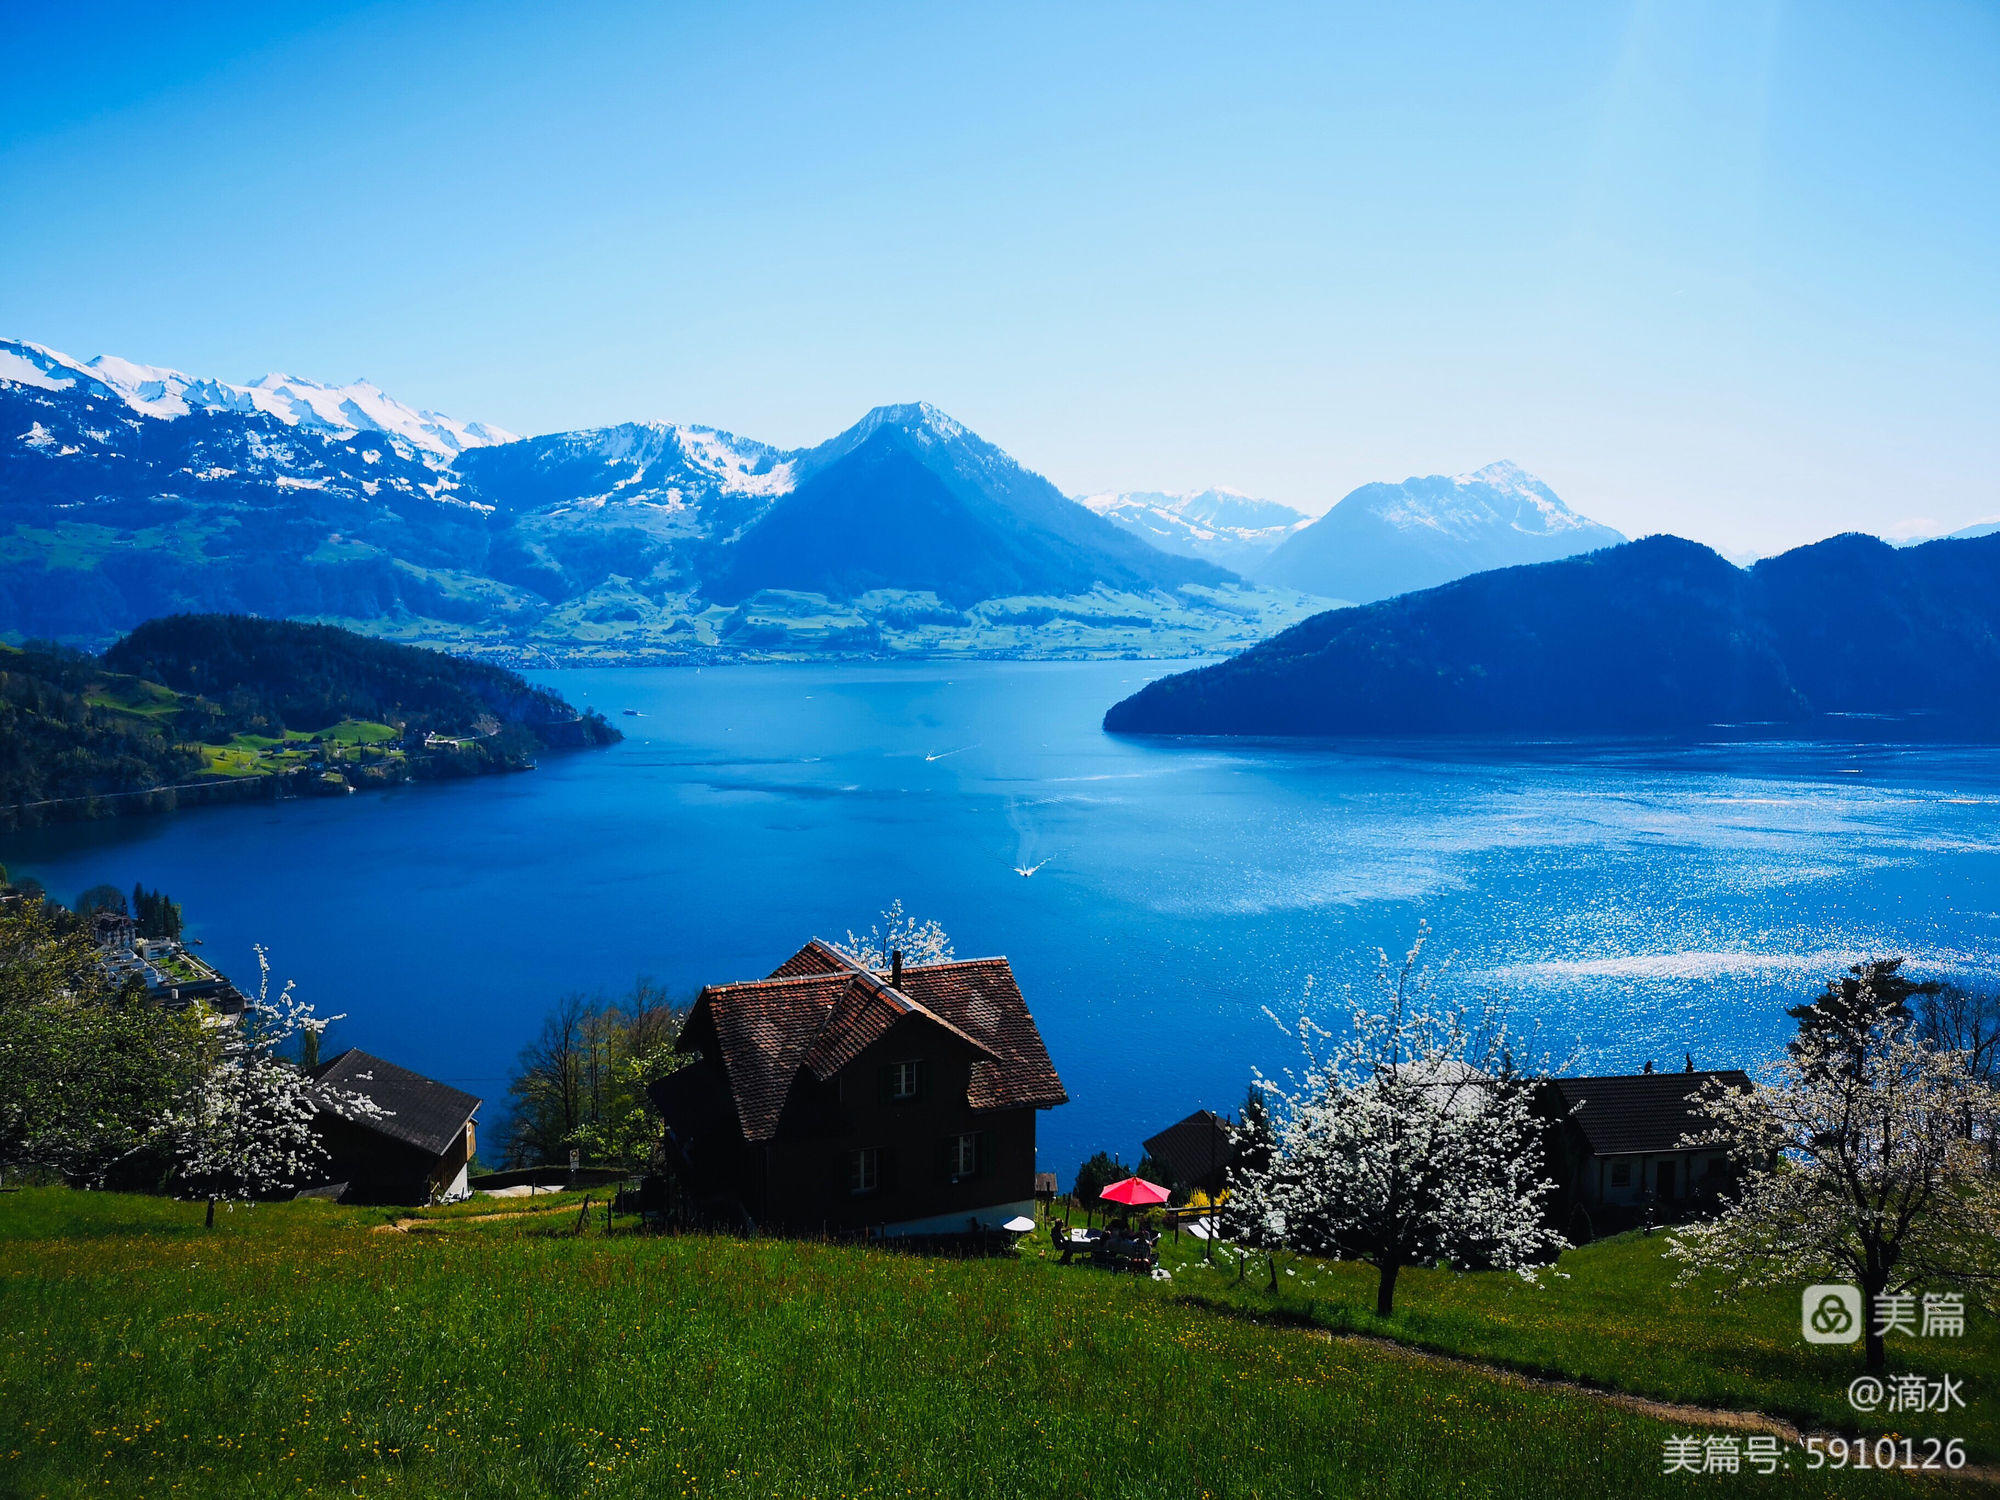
[817, 957]
[821, 1010]
[861, 1018]
[981, 999]
[764, 1028]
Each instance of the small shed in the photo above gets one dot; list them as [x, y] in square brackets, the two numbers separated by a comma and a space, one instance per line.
[1197, 1152]
[417, 1151]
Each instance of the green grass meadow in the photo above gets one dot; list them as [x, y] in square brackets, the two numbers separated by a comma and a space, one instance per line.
[1609, 1315]
[312, 1349]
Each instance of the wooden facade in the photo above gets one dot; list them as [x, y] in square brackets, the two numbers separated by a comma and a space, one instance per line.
[417, 1151]
[1616, 1148]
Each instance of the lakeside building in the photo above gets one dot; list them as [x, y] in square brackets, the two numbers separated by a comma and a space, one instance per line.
[1197, 1152]
[172, 976]
[832, 1099]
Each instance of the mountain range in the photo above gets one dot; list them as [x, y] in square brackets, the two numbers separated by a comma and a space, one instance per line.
[1220, 526]
[1660, 635]
[129, 491]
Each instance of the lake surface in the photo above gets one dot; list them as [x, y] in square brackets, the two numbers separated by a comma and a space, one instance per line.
[1646, 901]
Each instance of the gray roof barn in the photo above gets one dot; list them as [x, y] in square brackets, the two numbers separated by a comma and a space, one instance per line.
[422, 1112]
[1198, 1151]
[1639, 1113]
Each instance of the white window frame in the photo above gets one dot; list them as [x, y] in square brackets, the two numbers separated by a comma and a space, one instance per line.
[965, 1156]
[901, 1073]
[864, 1171]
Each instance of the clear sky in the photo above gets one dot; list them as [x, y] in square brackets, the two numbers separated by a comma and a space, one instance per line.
[1730, 269]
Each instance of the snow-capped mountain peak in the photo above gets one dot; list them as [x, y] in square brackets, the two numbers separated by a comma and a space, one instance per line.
[1534, 507]
[363, 406]
[1219, 525]
[25, 363]
[1385, 539]
[918, 418]
[166, 394]
[156, 391]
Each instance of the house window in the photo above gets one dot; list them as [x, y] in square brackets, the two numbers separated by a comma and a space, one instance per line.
[906, 1081]
[864, 1170]
[964, 1156]
[1621, 1174]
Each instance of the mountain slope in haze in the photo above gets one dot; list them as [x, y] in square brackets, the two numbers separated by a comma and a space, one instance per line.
[1232, 530]
[910, 500]
[1964, 533]
[1653, 636]
[1387, 539]
[640, 502]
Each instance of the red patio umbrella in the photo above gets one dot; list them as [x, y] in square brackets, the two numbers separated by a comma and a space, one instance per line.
[1135, 1192]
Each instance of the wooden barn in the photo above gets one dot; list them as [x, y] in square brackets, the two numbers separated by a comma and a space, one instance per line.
[1197, 1153]
[419, 1151]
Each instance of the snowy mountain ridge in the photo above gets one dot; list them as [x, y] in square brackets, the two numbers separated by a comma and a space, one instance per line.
[166, 394]
[1223, 526]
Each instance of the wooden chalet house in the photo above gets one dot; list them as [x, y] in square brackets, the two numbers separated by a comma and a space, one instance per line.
[832, 1099]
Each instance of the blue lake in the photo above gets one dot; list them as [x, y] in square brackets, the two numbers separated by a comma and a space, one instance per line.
[1648, 901]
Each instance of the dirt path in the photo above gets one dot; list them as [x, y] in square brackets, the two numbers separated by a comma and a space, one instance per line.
[1671, 1412]
[415, 1224]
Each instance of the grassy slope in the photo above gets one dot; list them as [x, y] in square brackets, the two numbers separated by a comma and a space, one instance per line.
[267, 755]
[294, 1350]
[1611, 1316]
[153, 706]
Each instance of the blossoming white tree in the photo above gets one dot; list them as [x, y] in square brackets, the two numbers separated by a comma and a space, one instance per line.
[897, 931]
[1408, 1141]
[1856, 1165]
[245, 1129]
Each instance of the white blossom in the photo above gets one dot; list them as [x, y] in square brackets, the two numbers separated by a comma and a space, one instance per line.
[1410, 1140]
[245, 1129]
[897, 931]
[1855, 1165]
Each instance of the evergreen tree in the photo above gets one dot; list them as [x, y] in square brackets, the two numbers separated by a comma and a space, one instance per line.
[1094, 1176]
[1868, 1001]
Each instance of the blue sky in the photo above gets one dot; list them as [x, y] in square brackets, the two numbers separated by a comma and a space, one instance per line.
[1731, 270]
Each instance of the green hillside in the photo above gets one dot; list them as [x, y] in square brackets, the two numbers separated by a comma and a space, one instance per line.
[308, 1348]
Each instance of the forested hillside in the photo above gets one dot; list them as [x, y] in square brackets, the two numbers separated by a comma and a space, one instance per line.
[62, 736]
[1660, 635]
[272, 675]
[221, 705]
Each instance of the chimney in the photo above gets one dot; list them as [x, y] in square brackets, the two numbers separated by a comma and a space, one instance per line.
[896, 969]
